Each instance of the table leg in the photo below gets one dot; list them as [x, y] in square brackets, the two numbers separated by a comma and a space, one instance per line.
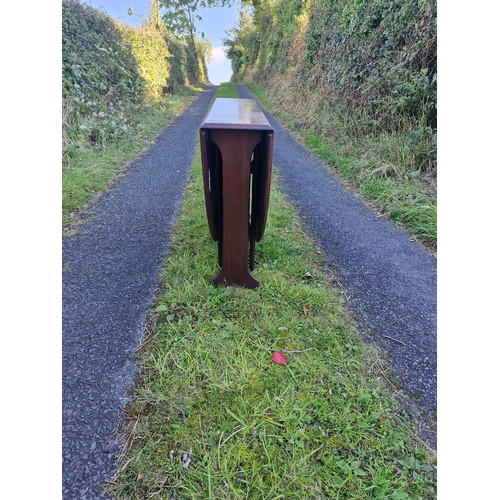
[236, 148]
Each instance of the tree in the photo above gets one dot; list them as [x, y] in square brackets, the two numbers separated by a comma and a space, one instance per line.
[242, 42]
[181, 15]
[154, 18]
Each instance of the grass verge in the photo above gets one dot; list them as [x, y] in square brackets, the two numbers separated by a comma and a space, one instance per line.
[214, 417]
[89, 168]
[377, 167]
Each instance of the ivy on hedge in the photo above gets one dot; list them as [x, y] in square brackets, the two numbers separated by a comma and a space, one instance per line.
[108, 66]
[374, 56]
[95, 62]
[378, 54]
[149, 48]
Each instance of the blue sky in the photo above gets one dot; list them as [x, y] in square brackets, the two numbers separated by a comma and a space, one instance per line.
[215, 22]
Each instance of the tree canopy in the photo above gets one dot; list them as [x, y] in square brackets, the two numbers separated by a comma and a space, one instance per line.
[181, 15]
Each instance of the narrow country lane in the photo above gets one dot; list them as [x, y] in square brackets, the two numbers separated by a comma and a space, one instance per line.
[110, 271]
[392, 279]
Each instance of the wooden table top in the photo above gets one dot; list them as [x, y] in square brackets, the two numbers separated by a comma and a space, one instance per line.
[242, 114]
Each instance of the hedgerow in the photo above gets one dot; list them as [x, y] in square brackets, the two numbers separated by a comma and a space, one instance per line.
[110, 67]
[378, 54]
[366, 66]
[99, 75]
[178, 63]
[149, 48]
[96, 63]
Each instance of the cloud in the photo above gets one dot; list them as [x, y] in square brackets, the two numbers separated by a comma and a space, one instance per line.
[219, 68]
[218, 54]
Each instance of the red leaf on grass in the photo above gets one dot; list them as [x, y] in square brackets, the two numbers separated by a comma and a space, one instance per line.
[279, 358]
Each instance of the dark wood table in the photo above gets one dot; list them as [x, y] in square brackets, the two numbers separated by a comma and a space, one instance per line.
[236, 151]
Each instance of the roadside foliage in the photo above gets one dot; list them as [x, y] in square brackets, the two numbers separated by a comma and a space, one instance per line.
[377, 57]
[109, 66]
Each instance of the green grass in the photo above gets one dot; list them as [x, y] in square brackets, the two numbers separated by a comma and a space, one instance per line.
[379, 167]
[321, 427]
[227, 90]
[90, 168]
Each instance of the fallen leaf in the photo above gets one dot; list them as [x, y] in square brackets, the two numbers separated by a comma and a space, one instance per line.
[306, 309]
[265, 265]
[279, 358]
[171, 317]
[139, 476]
